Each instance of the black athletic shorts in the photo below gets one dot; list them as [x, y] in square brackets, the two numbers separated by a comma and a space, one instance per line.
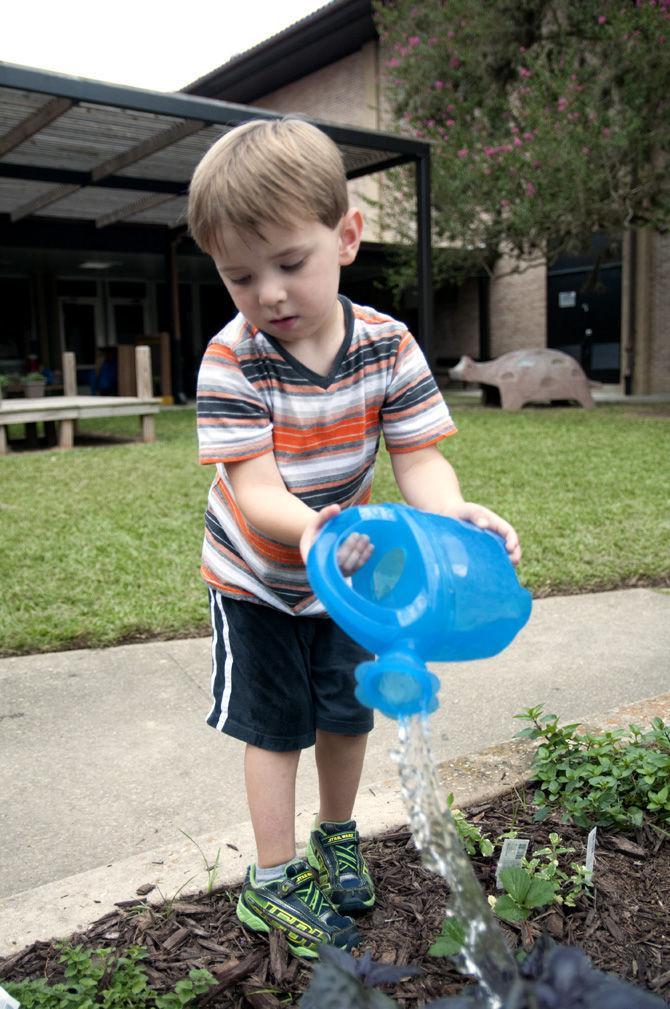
[277, 678]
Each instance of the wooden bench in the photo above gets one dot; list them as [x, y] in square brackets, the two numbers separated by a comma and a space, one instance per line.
[66, 410]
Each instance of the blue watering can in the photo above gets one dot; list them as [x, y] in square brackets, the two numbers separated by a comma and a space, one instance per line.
[435, 589]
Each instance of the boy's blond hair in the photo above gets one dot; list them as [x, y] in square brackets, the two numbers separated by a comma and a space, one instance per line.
[266, 172]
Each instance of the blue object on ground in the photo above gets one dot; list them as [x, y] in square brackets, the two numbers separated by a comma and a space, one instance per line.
[435, 589]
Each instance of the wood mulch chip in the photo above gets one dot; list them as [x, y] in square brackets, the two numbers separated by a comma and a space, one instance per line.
[625, 930]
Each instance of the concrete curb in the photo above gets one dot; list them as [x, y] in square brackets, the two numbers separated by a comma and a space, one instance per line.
[58, 909]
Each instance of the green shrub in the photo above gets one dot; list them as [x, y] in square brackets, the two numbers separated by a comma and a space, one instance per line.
[102, 977]
[614, 778]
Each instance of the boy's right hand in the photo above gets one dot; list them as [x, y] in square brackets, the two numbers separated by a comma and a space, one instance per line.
[354, 552]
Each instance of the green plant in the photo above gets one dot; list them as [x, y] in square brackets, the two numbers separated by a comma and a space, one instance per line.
[524, 892]
[102, 977]
[450, 940]
[473, 839]
[545, 864]
[211, 868]
[33, 376]
[613, 778]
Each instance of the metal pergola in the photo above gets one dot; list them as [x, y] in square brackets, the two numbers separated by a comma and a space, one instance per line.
[103, 157]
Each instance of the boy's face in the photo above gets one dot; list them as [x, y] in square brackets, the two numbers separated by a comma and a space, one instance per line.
[286, 282]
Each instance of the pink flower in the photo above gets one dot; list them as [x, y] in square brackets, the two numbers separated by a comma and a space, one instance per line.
[463, 153]
[561, 104]
[606, 131]
[432, 41]
[454, 62]
[394, 62]
[530, 189]
[528, 136]
[413, 40]
[524, 72]
[504, 203]
[438, 85]
[451, 122]
[518, 142]
[602, 19]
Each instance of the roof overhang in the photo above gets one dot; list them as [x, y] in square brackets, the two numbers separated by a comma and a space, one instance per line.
[79, 150]
[329, 34]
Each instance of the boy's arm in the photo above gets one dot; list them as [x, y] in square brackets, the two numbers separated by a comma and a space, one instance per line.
[427, 481]
[266, 502]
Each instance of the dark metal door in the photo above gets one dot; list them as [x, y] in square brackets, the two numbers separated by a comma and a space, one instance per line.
[584, 319]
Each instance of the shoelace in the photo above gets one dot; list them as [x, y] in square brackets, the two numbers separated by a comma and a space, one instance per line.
[346, 855]
[309, 893]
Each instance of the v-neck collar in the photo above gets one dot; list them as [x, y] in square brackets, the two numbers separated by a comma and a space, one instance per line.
[323, 381]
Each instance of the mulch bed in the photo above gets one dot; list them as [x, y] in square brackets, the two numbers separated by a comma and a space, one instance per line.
[625, 930]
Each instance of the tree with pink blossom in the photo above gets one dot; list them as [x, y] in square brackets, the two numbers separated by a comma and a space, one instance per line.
[550, 120]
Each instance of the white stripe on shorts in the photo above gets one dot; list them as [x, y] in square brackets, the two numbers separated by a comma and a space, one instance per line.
[228, 667]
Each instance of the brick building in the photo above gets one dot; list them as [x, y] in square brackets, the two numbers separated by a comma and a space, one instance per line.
[330, 65]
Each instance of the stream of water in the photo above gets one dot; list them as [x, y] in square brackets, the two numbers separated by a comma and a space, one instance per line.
[484, 955]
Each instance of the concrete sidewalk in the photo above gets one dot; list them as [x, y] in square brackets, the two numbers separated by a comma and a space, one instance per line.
[106, 763]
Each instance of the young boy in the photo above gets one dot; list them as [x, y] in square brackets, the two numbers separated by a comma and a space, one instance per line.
[293, 396]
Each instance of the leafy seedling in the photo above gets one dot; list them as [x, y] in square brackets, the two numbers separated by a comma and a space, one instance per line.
[523, 894]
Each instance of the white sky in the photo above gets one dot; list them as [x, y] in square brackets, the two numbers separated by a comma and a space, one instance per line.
[161, 46]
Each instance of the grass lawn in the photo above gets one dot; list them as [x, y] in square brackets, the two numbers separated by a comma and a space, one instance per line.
[101, 544]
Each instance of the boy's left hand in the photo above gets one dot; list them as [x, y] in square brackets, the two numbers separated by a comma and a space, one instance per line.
[353, 553]
[484, 518]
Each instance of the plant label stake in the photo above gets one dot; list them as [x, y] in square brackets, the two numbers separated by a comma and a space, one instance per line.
[6, 1000]
[590, 854]
[513, 851]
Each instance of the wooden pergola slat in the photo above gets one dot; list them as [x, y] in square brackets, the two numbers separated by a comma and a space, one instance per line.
[33, 124]
[150, 146]
[136, 207]
[44, 200]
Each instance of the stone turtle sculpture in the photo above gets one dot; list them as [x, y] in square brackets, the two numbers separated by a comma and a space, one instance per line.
[537, 375]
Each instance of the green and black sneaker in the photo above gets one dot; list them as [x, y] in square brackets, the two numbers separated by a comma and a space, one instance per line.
[334, 851]
[297, 906]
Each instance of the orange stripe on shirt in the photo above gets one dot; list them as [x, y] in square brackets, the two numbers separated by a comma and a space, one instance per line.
[291, 439]
[278, 552]
[415, 448]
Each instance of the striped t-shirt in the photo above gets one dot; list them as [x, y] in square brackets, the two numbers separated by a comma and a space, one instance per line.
[255, 397]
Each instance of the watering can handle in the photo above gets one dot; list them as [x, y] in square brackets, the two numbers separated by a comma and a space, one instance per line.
[332, 587]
